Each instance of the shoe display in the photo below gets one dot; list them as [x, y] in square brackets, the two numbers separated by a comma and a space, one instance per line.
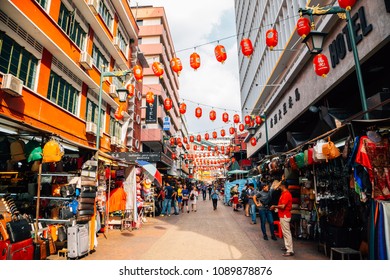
[288, 254]
[273, 237]
[265, 237]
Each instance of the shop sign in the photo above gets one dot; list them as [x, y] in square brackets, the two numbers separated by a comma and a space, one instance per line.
[151, 112]
[132, 157]
[285, 107]
[338, 48]
[167, 123]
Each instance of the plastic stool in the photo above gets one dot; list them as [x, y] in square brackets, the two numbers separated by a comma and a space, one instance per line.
[278, 229]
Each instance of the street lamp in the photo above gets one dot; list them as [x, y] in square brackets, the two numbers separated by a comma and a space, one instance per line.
[316, 39]
[120, 93]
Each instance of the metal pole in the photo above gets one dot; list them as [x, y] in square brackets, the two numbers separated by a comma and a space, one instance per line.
[362, 92]
[266, 133]
[98, 121]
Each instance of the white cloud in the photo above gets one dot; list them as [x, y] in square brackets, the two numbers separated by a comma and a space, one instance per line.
[193, 23]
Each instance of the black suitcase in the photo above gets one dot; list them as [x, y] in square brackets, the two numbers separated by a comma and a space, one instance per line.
[85, 212]
[18, 230]
[85, 206]
[88, 194]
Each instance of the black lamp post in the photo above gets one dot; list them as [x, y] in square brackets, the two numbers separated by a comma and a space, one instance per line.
[314, 41]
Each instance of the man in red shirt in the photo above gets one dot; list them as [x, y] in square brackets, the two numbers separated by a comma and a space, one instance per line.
[284, 212]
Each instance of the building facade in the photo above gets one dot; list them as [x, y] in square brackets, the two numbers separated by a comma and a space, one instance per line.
[53, 54]
[159, 124]
[279, 83]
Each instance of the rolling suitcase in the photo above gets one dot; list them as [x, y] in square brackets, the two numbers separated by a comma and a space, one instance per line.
[4, 246]
[22, 250]
[78, 241]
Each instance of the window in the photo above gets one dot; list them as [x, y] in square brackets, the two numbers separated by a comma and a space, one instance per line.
[43, 3]
[105, 14]
[92, 113]
[122, 42]
[115, 127]
[98, 59]
[67, 21]
[62, 93]
[15, 60]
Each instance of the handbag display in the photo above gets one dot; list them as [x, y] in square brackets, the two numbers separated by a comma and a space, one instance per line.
[317, 151]
[330, 151]
[18, 230]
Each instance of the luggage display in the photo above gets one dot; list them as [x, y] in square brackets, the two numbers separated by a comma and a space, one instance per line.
[18, 230]
[4, 246]
[23, 250]
[40, 249]
[78, 241]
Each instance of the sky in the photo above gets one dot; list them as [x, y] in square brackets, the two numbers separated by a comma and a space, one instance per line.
[202, 24]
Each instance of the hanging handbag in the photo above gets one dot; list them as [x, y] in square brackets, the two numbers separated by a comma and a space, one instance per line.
[330, 151]
[18, 230]
[317, 151]
[300, 160]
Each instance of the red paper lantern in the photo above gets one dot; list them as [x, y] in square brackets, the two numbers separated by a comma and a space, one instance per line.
[187, 148]
[241, 127]
[216, 148]
[215, 135]
[220, 53]
[209, 149]
[202, 148]
[225, 117]
[232, 130]
[198, 112]
[176, 65]
[213, 115]
[347, 4]
[246, 47]
[138, 73]
[195, 147]
[223, 133]
[222, 149]
[258, 120]
[150, 98]
[271, 38]
[168, 104]
[247, 119]
[130, 89]
[174, 156]
[192, 138]
[253, 141]
[120, 111]
[321, 65]
[198, 138]
[185, 140]
[183, 108]
[206, 136]
[303, 27]
[158, 69]
[172, 141]
[195, 61]
[236, 118]
[180, 144]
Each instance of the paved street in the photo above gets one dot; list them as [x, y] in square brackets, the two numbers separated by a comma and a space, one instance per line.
[202, 235]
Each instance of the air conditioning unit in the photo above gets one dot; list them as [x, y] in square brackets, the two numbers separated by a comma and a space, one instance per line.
[86, 60]
[117, 43]
[112, 91]
[12, 85]
[90, 128]
[94, 6]
[114, 141]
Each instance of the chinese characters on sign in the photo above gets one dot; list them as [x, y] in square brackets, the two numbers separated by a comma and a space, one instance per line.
[278, 116]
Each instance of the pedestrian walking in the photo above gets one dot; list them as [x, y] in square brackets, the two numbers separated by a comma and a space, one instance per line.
[204, 191]
[175, 203]
[252, 206]
[215, 198]
[186, 194]
[234, 196]
[262, 200]
[210, 188]
[244, 199]
[168, 200]
[193, 198]
[180, 197]
[284, 212]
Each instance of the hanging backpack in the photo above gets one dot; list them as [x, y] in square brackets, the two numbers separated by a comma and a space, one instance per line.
[17, 151]
[33, 151]
[52, 151]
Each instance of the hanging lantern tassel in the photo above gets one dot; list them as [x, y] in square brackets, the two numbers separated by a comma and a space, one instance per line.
[321, 65]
